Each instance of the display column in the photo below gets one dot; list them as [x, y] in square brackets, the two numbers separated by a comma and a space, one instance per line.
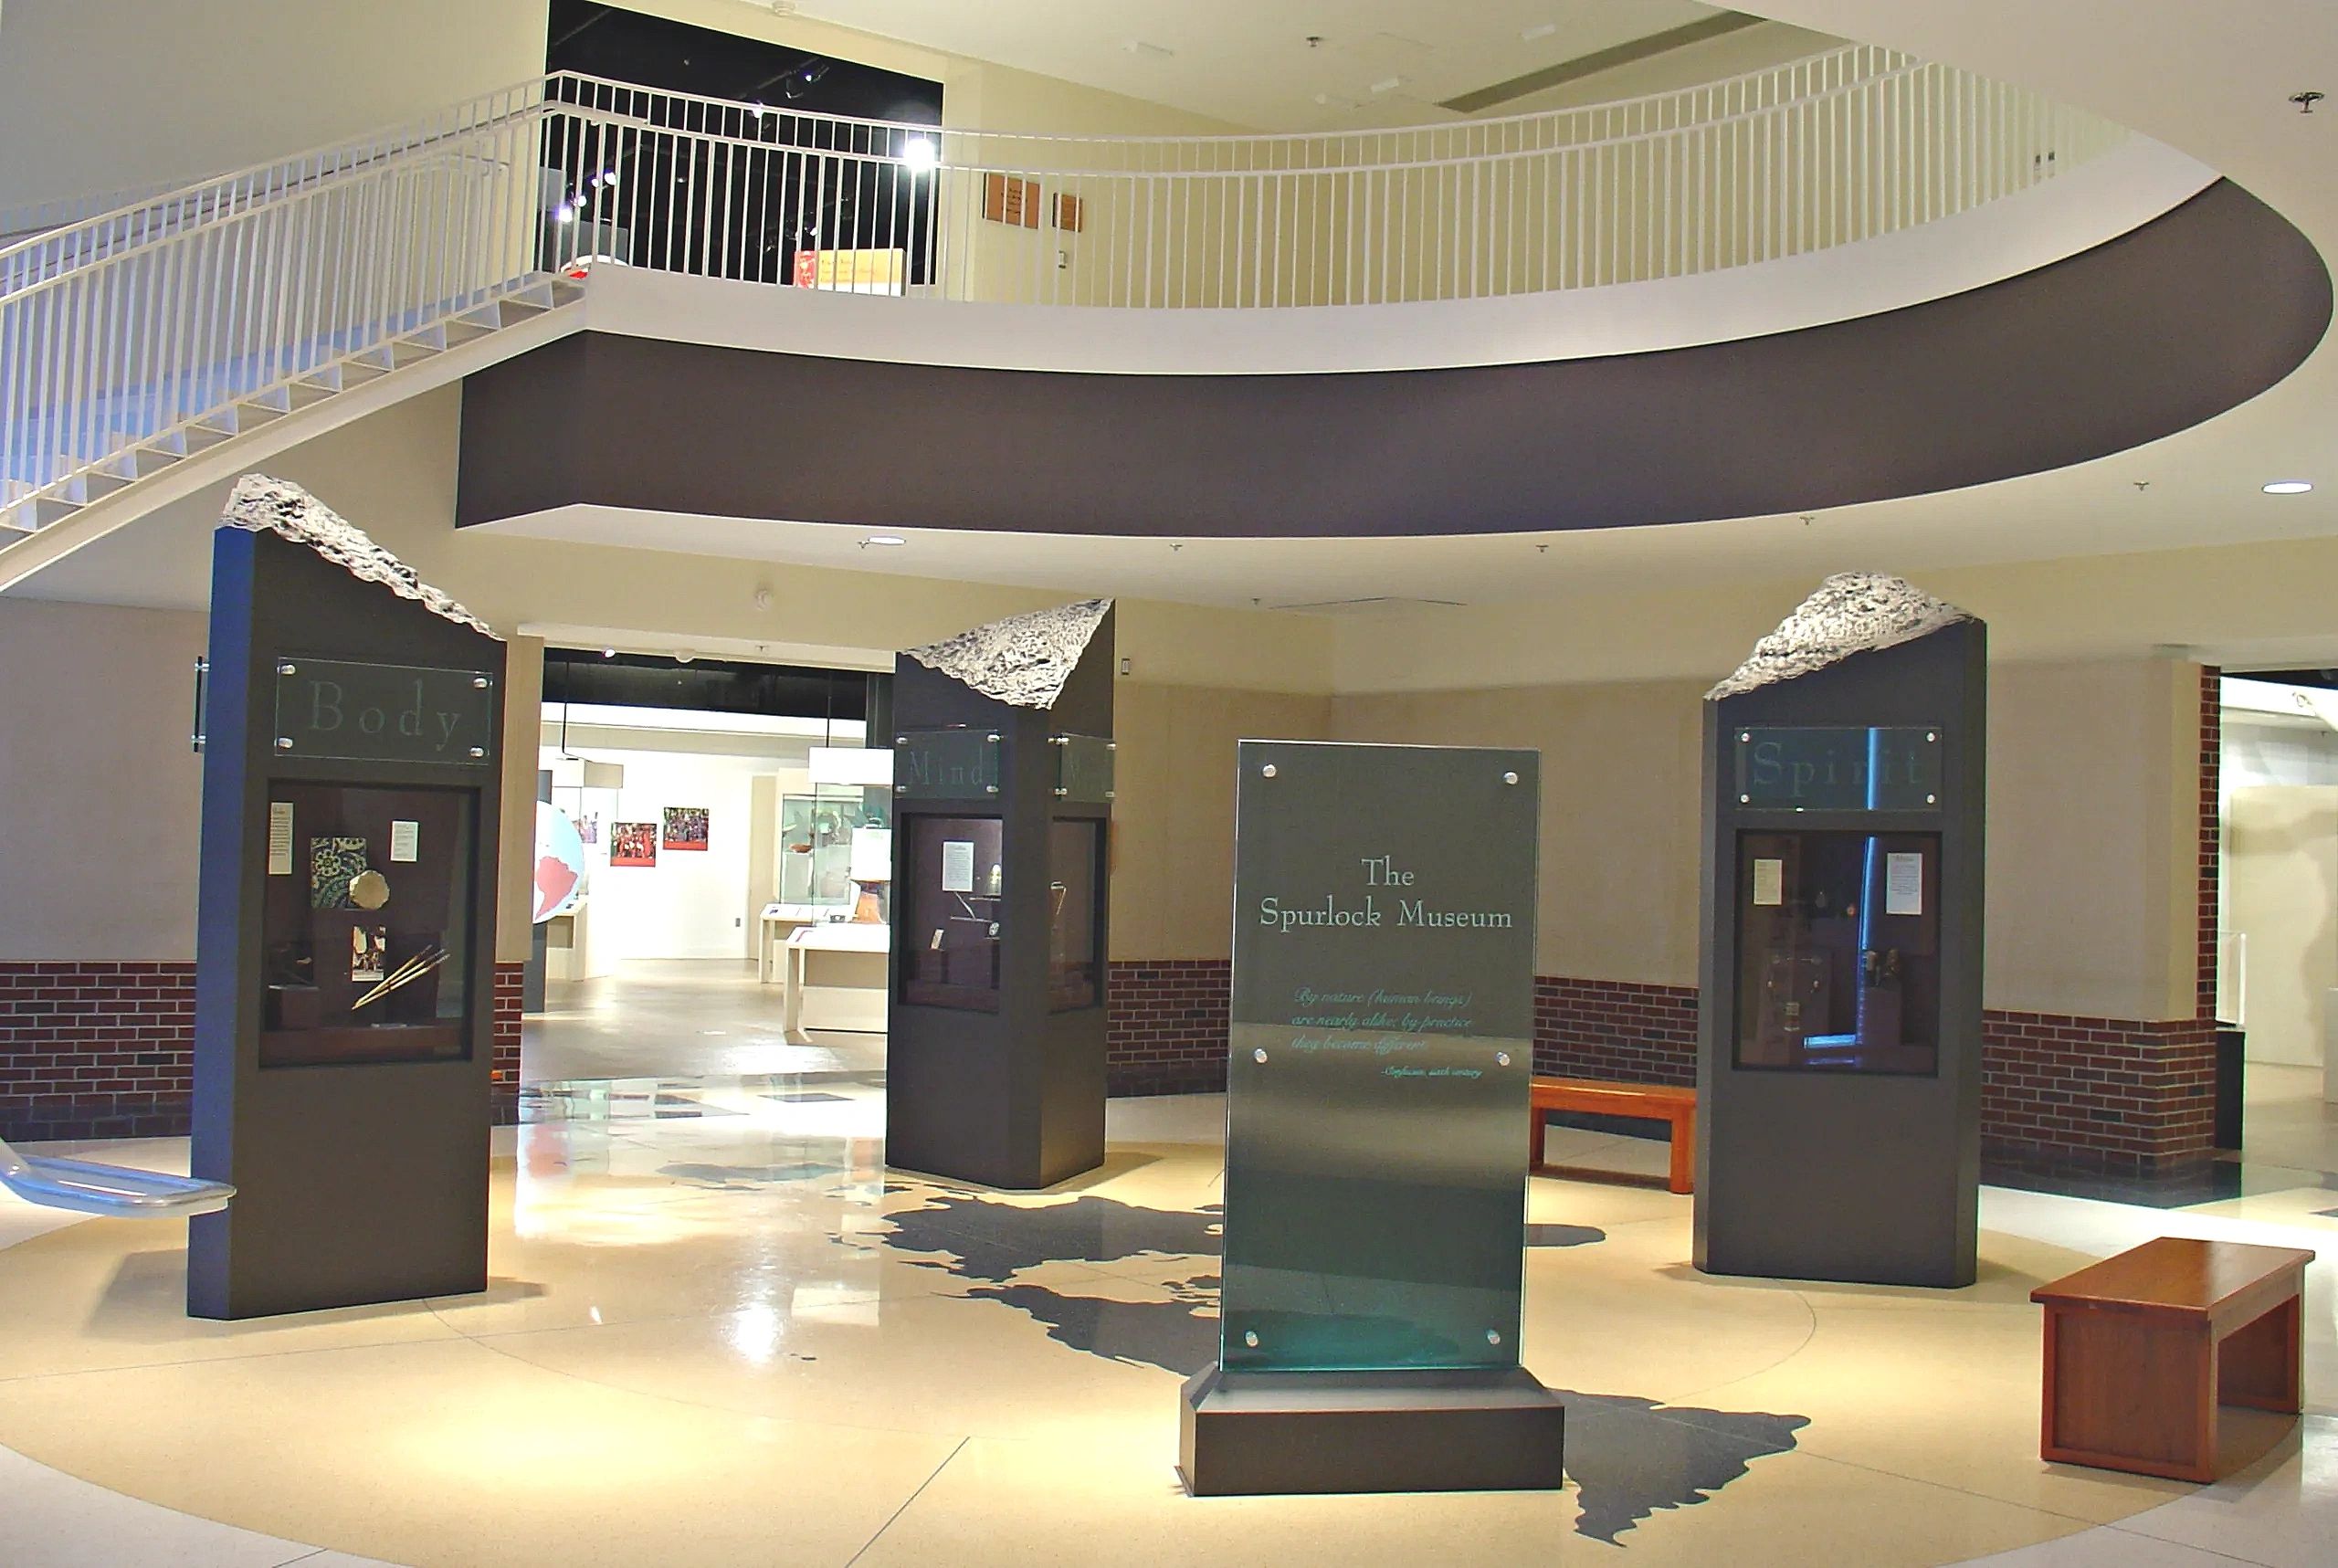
[1377, 1118]
[1003, 748]
[346, 951]
[1840, 1071]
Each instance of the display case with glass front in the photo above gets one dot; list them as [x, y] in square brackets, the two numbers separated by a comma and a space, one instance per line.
[950, 911]
[1839, 952]
[1075, 855]
[817, 837]
[365, 924]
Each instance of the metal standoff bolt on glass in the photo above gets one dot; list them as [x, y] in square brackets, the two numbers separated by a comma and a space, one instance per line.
[1267, 772]
[1260, 1055]
[479, 750]
[283, 743]
[1493, 1336]
[1250, 1337]
[288, 668]
[479, 681]
[1502, 1058]
[1509, 778]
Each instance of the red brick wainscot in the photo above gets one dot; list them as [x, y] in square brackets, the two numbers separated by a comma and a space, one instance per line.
[106, 1050]
[2124, 1093]
[1165, 1025]
[96, 1050]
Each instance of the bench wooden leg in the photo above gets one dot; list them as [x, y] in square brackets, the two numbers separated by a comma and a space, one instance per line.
[1683, 1178]
[1534, 1131]
[2259, 1366]
[2123, 1393]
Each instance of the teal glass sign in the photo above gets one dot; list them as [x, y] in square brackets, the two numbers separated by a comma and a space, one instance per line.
[1380, 1054]
[1837, 768]
[954, 764]
[384, 712]
[1083, 768]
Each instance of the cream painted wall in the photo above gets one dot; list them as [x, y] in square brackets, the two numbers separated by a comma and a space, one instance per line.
[2282, 870]
[2232, 604]
[104, 95]
[1619, 851]
[102, 792]
[2092, 812]
[1172, 814]
[2094, 829]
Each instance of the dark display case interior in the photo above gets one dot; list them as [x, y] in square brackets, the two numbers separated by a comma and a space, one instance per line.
[1839, 952]
[949, 912]
[366, 925]
[1075, 855]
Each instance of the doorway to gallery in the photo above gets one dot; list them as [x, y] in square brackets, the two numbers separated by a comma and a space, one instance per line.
[713, 884]
[2278, 948]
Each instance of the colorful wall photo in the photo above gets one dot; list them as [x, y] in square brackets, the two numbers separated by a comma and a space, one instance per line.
[686, 828]
[633, 844]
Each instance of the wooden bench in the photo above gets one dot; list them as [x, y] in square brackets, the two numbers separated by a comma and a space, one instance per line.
[1643, 1102]
[2142, 1349]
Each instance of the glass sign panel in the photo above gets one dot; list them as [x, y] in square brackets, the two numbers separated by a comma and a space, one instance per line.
[945, 765]
[1083, 768]
[1383, 1022]
[1839, 768]
[384, 712]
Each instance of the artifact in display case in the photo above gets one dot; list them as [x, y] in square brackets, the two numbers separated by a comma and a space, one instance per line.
[1840, 951]
[362, 947]
[818, 833]
[950, 911]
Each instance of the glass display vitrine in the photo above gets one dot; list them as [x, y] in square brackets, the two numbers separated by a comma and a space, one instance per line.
[1075, 855]
[816, 847]
[949, 912]
[366, 924]
[1839, 952]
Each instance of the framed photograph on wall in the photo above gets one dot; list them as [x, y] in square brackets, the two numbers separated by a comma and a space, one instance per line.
[633, 844]
[686, 828]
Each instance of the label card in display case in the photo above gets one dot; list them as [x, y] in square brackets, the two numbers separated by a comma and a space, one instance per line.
[384, 712]
[1839, 768]
[1382, 1039]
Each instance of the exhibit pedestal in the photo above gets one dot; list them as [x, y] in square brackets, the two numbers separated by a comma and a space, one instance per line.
[1479, 1429]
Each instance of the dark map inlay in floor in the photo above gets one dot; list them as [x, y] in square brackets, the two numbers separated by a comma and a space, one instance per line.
[1629, 1457]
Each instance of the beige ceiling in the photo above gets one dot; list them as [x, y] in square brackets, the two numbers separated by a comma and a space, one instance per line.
[1249, 62]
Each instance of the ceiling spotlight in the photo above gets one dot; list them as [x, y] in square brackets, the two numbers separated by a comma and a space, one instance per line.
[2289, 487]
[608, 653]
[883, 540]
[565, 213]
[919, 154]
[684, 655]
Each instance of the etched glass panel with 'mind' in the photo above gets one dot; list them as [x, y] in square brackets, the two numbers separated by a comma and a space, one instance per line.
[1383, 1022]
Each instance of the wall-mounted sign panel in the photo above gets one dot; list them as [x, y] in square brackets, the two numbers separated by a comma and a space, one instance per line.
[1837, 768]
[384, 712]
[1383, 1022]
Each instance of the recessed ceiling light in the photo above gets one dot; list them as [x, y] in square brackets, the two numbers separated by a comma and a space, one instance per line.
[885, 540]
[608, 653]
[2289, 487]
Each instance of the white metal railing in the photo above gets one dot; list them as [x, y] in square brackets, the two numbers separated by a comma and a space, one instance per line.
[127, 323]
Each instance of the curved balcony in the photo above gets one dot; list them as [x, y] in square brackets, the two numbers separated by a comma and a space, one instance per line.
[142, 350]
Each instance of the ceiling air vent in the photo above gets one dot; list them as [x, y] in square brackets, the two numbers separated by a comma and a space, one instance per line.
[1378, 604]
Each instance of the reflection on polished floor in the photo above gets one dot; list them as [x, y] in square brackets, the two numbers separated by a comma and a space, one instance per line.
[678, 1018]
[722, 1332]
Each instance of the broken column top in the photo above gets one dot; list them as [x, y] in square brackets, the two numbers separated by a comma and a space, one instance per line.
[1851, 612]
[1022, 660]
[263, 505]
